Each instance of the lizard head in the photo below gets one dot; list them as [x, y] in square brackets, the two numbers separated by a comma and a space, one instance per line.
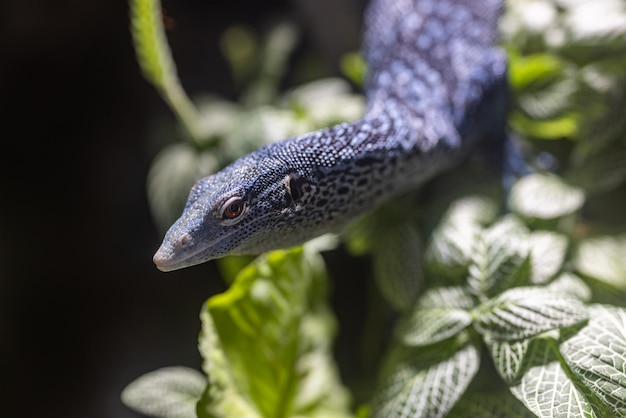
[252, 206]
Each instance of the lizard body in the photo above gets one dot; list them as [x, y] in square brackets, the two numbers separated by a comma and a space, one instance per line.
[436, 85]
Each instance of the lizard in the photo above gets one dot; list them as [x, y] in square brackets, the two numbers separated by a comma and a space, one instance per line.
[436, 85]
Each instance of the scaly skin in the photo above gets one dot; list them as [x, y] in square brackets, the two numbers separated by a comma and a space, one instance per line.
[437, 84]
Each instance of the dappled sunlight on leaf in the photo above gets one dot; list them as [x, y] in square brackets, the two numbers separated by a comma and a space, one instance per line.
[429, 326]
[547, 254]
[527, 312]
[603, 258]
[544, 196]
[500, 259]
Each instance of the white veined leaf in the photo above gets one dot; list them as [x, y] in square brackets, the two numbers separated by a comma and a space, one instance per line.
[450, 247]
[430, 326]
[499, 258]
[603, 258]
[544, 196]
[549, 102]
[597, 354]
[547, 250]
[452, 297]
[549, 391]
[173, 172]
[508, 357]
[327, 101]
[170, 392]
[449, 250]
[527, 312]
[217, 117]
[571, 285]
[426, 382]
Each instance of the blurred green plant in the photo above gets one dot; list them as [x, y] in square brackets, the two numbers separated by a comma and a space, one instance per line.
[504, 307]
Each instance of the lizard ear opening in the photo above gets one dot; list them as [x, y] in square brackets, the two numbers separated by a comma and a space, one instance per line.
[294, 184]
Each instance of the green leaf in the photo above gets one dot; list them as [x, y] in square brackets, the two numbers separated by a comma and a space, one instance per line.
[397, 264]
[354, 67]
[499, 259]
[565, 126]
[527, 312]
[533, 71]
[170, 392]
[426, 382]
[222, 397]
[603, 258]
[266, 342]
[508, 357]
[484, 405]
[275, 50]
[430, 326]
[544, 196]
[239, 45]
[548, 390]
[547, 251]
[597, 354]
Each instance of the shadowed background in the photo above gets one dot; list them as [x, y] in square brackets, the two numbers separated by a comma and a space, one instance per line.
[82, 309]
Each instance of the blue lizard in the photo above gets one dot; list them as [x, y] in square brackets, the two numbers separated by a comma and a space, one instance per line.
[436, 85]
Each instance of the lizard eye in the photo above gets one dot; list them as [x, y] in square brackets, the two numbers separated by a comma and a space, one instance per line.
[232, 208]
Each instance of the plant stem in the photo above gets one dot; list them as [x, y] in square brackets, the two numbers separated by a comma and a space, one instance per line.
[158, 67]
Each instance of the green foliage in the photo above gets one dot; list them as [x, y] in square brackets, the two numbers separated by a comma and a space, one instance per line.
[426, 381]
[266, 343]
[502, 307]
[596, 355]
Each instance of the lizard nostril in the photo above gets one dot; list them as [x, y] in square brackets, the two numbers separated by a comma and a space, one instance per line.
[184, 240]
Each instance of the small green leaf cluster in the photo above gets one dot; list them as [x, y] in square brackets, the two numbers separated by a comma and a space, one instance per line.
[511, 291]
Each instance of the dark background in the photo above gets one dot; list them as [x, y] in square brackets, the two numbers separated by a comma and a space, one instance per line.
[82, 309]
